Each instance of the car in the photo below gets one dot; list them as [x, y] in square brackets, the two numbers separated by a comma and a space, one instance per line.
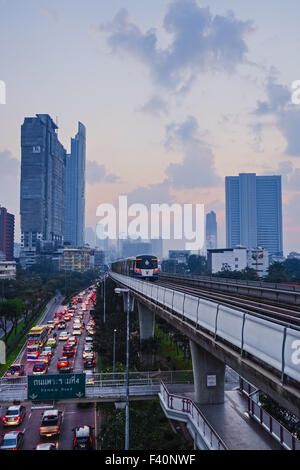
[91, 331]
[88, 340]
[40, 368]
[67, 317]
[76, 331]
[89, 377]
[46, 446]
[51, 324]
[68, 350]
[89, 362]
[72, 341]
[51, 342]
[14, 415]
[77, 321]
[14, 371]
[63, 336]
[45, 357]
[65, 369]
[61, 325]
[48, 350]
[88, 351]
[62, 362]
[83, 438]
[12, 440]
[51, 423]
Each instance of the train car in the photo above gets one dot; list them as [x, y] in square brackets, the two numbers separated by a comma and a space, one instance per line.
[140, 267]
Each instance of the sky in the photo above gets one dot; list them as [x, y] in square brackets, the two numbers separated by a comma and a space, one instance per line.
[175, 95]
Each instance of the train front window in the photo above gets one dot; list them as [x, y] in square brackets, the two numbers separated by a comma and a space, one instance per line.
[146, 263]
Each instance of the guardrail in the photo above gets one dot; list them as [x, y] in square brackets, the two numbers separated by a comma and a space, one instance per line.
[105, 384]
[288, 440]
[187, 407]
[271, 342]
[265, 290]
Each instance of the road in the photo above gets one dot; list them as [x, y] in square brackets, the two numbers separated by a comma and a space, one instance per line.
[73, 414]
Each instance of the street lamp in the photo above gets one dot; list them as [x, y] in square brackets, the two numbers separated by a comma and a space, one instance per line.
[104, 301]
[126, 291]
[114, 354]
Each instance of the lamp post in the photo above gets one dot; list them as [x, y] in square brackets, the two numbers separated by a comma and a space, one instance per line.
[126, 291]
[104, 301]
[114, 354]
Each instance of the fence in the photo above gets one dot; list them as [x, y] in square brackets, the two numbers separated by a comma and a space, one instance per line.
[288, 440]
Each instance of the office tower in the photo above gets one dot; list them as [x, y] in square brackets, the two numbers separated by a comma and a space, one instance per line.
[254, 212]
[7, 233]
[211, 231]
[75, 189]
[42, 198]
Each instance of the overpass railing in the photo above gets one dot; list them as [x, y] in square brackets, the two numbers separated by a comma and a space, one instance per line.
[275, 344]
[286, 293]
[287, 439]
[187, 407]
[105, 384]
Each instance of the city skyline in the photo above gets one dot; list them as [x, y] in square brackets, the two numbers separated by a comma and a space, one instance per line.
[159, 133]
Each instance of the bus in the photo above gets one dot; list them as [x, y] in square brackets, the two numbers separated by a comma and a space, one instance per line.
[36, 339]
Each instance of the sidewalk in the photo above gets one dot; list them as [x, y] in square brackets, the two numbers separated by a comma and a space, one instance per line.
[231, 421]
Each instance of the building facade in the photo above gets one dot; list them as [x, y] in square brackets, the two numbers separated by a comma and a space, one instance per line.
[43, 182]
[238, 259]
[7, 233]
[8, 270]
[211, 231]
[254, 212]
[75, 259]
[75, 189]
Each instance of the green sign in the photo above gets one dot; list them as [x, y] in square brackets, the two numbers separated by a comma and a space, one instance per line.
[56, 387]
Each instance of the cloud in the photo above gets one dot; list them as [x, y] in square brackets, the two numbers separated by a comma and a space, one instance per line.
[154, 194]
[155, 106]
[199, 42]
[290, 176]
[52, 13]
[287, 115]
[96, 173]
[196, 169]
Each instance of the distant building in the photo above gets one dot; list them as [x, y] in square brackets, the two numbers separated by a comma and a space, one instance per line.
[7, 233]
[238, 259]
[7, 270]
[211, 231]
[75, 189]
[75, 259]
[42, 197]
[90, 237]
[294, 255]
[254, 212]
[181, 256]
[132, 247]
[157, 247]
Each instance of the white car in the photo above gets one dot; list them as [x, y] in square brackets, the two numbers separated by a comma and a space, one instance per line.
[63, 336]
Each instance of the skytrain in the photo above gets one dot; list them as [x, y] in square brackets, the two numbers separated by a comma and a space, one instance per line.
[139, 267]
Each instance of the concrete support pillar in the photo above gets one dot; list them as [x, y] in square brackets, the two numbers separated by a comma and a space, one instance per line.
[147, 322]
[209, 376]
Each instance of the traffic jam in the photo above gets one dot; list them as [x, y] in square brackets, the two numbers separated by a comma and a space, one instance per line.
[62, 343]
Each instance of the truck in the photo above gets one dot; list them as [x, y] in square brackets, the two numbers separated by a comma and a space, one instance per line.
[51, 423]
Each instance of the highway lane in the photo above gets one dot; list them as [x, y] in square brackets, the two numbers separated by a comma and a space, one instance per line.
[73, 415]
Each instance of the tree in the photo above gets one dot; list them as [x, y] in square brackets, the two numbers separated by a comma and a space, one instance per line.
[197, 264]
[277, 273]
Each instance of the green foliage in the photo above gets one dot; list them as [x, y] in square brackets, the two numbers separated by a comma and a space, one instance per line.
[287, 419]
[149, 429]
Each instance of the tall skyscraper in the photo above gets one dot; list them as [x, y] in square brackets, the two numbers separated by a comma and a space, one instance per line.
[42, 198]
[254, 212]
[75, 189]
[7, 233]
[211, 231]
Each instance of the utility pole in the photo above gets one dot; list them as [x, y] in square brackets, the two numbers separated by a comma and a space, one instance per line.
[127, 376]
[104, 301]
[114, 355]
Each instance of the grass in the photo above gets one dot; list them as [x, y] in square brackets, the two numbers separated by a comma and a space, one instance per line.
[168, 349]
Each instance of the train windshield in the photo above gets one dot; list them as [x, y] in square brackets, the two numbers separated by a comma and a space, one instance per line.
[146, 262]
